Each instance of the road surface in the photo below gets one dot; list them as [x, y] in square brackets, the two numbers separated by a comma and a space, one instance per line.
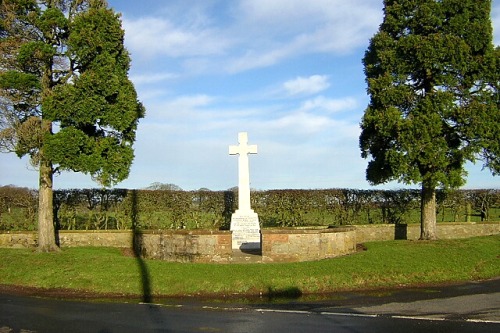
[472, 307]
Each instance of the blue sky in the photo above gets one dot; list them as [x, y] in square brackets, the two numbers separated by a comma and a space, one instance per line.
[288, 72]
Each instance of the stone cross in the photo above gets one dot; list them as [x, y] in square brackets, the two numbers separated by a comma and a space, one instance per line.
[243, 149]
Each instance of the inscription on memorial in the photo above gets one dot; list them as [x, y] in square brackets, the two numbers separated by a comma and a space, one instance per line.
[246, 232]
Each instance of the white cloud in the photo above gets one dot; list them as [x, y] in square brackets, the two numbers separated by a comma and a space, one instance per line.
[150, 36]
[287, 17]
[330, 105]
[295, 128]
[152, 78]
[256, 58]
[281, 29]
[145, 95]
[307, 85]
[259, 33]
[189, 102]
[181, 109]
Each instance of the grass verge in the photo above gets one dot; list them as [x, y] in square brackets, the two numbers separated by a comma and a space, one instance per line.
[384, 265]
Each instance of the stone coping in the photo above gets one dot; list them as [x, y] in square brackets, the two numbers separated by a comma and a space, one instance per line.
[306, 230]
[163, 231]
[290, 230]
[417, 224]
[184, 231]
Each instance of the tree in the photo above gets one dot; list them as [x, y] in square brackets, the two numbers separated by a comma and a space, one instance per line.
[433, 80]
[65, 97]
[157, 186]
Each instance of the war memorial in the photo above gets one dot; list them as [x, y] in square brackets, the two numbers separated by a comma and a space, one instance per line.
[246, 241]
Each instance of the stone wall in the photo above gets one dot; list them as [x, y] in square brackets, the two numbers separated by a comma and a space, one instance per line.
[447, 230]
[203, 246]
[18, 239]
[291, 245]
[278, 245]
[108, 238]
[171, 245]
[383, 232]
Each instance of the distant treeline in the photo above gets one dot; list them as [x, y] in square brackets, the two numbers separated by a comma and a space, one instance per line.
[94, 209]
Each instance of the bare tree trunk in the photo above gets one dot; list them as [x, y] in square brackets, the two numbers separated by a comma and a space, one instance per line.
[46, 232]
[428, 213]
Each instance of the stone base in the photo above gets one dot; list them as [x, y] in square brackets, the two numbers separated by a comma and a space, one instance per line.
[246, 231]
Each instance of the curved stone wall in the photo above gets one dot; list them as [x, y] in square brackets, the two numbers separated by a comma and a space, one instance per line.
[278, 245]
[291, 245]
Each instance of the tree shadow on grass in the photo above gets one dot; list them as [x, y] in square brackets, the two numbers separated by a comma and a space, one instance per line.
[137, 245]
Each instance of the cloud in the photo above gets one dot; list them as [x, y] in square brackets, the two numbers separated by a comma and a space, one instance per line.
[292, 17]
[282, 29]
[257, 58]
[300, 123]
[248, 34]
[307, 85]
[189, 102]
[141, 79]
[182, 109]
[330, 105]
[149, 37]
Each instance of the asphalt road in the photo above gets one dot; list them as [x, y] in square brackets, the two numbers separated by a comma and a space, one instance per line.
[472, 307]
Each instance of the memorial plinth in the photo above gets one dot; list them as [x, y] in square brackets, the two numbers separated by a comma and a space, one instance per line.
[244, 221]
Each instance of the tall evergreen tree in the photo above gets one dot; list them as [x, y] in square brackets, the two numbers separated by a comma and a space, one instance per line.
[65, 97]
[433, 79]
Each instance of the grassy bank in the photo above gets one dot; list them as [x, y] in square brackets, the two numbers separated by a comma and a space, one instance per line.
[384, 264]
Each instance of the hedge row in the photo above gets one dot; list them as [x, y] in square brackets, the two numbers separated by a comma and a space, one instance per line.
[92, 209]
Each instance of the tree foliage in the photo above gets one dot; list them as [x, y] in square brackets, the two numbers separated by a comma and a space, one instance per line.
[157, 186]
[433, 79]
[65, 97]
[71, 69]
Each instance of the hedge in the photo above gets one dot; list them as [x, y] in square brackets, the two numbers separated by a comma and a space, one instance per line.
[94, 209]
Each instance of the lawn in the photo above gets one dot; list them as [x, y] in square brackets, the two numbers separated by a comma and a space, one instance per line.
[387, 264]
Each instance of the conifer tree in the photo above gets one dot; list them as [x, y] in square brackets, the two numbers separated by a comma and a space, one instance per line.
[65, 97]
[433, 78]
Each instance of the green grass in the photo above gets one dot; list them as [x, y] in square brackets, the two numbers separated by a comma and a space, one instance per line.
[384, 265]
